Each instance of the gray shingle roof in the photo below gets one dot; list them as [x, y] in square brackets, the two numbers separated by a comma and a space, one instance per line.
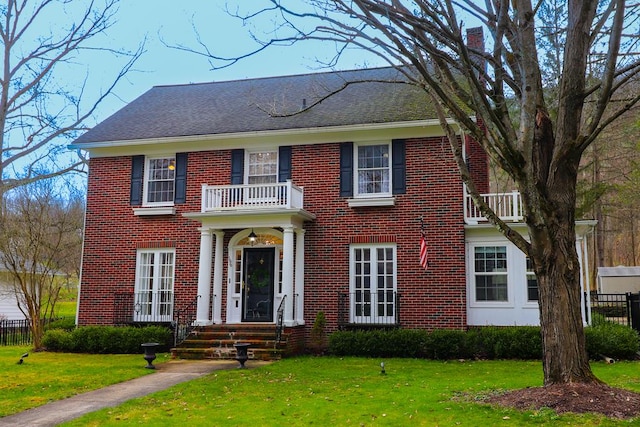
[263, 104]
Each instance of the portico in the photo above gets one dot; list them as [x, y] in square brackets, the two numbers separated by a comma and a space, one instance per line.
[265, 264]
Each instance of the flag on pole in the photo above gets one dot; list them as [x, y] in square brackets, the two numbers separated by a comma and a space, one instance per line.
[424, 262]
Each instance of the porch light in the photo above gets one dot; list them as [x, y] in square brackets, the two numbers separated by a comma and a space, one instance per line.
[252, 237]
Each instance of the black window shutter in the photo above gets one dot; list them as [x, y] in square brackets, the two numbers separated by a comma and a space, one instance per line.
[346, 169]
[137, 179]
[237, 166]
[399, 166]
[181, 178]
[284, 163]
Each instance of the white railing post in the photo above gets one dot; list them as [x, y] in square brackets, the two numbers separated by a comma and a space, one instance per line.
[289, 192]
[514, 204]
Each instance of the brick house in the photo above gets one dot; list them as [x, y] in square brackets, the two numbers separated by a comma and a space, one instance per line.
[252, 198]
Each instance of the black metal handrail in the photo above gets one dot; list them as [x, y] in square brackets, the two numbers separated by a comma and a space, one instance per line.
[184, 321]
[280, 320]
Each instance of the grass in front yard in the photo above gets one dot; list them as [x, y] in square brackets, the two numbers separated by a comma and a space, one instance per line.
[44, 376]
[351, 391]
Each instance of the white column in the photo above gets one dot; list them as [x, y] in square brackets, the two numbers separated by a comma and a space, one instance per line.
[204, 278]
[217, 277]
[287, 275]
[299, 278]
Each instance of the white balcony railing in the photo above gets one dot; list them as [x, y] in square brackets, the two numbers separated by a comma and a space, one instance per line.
[508, 206]
[281, 195]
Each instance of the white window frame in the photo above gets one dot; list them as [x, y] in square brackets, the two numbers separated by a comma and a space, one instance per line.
[147, 179]
[247, 164]
[154, 289]
[506, 273]
[374, 317]
[356, 170]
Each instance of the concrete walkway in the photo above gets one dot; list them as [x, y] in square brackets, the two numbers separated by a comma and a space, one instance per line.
[166, 375]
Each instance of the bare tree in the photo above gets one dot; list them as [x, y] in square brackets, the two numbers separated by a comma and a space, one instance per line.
[44, 98]
[40, 237]
[539, 144]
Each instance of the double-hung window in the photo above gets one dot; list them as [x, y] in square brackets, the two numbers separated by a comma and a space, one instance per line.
[160, 181]
[490, 270]
[372, 173]
[154, 285]
[262, 173]
[262, 167]
[373, 170]
[373, 296]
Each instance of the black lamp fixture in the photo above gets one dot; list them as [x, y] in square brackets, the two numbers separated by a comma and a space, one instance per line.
[252, 237]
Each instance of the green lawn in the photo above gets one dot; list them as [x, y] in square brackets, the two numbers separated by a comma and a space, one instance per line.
[44, 377]
[323, 391]
[351, 391]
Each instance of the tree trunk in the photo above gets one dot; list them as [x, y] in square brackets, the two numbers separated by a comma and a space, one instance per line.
[554, 255]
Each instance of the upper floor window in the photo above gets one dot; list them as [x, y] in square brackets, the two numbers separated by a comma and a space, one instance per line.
[262, 167]
[160, 180]
[373, 171]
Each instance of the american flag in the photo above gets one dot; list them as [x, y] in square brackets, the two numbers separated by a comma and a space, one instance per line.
[423, 251]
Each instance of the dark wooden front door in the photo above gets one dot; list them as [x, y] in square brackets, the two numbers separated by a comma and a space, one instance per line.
[258, 291]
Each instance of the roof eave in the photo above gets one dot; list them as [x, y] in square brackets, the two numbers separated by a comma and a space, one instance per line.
[413, 128]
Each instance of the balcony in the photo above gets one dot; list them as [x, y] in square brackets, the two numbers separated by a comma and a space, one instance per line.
[281, 195]
[508, 206]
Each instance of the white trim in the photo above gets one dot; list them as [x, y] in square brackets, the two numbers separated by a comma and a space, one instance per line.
[372, 318]
[371, 201]
[155, 283]
[473, 302]
[234, 299]
[356, 169]
[146, 179]
[247, 161]
[277, 134]
[151, 210]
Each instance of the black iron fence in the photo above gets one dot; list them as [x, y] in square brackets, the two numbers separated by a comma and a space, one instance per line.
[368, 309]
[623, 309]
[15, 332]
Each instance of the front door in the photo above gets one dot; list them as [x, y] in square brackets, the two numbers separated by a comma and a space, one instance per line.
[258, 285]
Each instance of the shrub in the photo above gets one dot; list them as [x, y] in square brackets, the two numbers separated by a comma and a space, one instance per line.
[106, 339]
[510, 342]
[491, 342]
[379, 343]
[611, 340]
[445, 344]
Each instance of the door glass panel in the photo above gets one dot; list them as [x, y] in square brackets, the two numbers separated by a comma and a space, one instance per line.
[258, 285]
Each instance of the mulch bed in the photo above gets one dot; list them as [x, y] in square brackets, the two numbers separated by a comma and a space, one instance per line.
[577, 398]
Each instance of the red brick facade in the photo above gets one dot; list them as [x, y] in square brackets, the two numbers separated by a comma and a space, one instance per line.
[435, 298]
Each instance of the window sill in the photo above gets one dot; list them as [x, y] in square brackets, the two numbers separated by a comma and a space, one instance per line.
[371, 201]
[157, 210]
